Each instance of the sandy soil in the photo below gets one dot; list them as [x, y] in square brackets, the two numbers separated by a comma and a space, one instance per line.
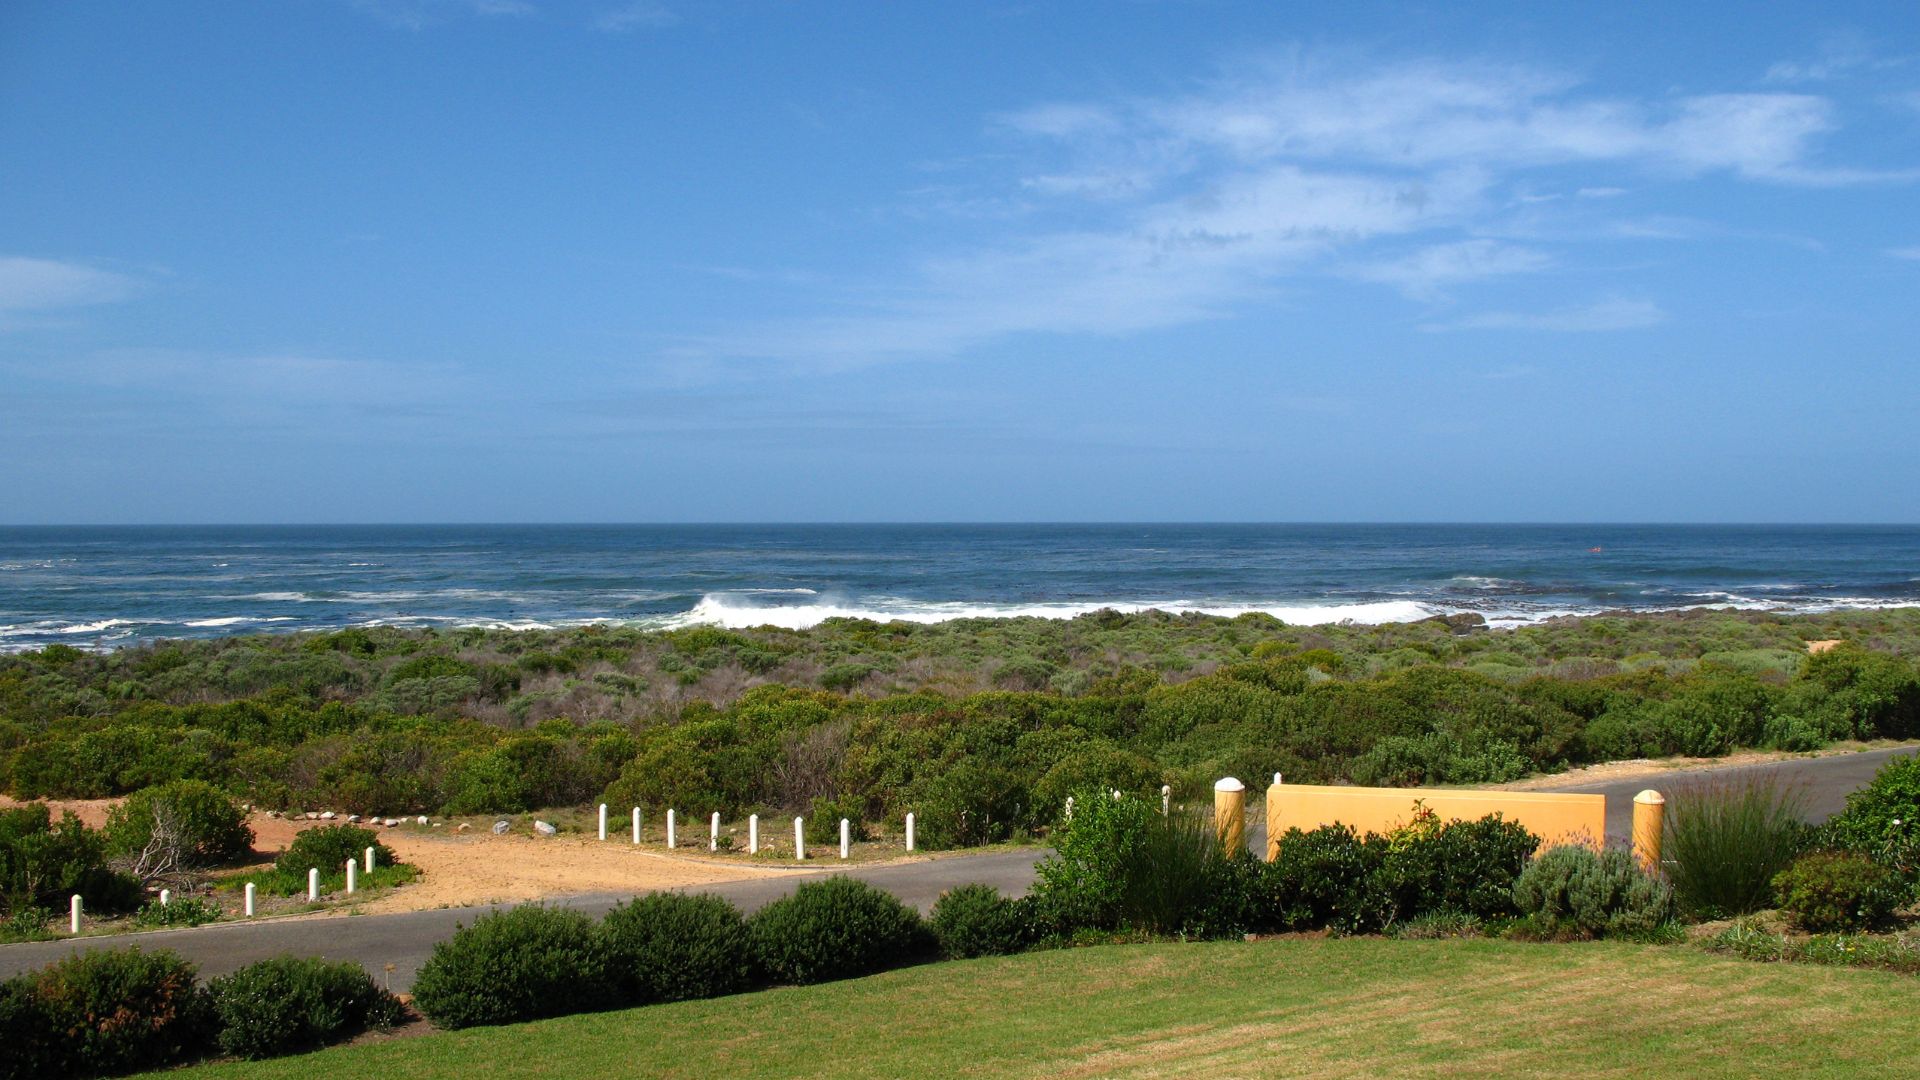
[476, 867]
[1653, 767]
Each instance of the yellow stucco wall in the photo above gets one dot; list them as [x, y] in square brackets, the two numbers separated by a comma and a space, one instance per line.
[1555, 819]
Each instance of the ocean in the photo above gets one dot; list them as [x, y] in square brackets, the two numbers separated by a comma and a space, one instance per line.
[112, 587]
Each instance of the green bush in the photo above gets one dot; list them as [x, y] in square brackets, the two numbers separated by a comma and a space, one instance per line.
[1121, 863]
[1571, 890]
[520, 964]
[43, 864]
[183, 825]
[969, 805]
[1826, 890]
[1883, 814]
[1725, 842]
[289, 1004]
[1320, 878]
[1465, 867]
[32, 1046]
[836, 929]
[109, 1012]
[182, 911]
[328, 848]
[975, 920]
[670, 947]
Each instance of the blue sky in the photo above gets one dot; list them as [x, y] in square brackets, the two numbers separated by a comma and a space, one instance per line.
[488, 260]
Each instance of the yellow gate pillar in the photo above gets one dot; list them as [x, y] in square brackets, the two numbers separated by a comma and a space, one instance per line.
[1230, 813]
[1649, 813]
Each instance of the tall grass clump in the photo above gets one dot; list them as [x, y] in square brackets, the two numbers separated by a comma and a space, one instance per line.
[1726, 841]
[1121, 863]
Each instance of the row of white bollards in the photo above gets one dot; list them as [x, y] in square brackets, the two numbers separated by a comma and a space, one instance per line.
[753, 832]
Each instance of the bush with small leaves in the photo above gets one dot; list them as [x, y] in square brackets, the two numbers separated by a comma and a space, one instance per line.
[671, 947]
[836, 929]
[112, 1012]
[1572, 890]
[181, 911]
[328, 848]
[975, 920]
[1826, 890]
[520, 964]
[1320, 878]
[179, 826]
[289, 1004]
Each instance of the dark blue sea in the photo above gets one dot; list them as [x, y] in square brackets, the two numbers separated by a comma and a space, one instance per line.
[109, 587]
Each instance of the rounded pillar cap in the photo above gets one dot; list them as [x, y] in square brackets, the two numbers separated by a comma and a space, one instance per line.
[1650, 797]
[1228, 784]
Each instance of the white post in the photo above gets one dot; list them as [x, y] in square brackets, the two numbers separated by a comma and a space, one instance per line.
[1166, 798]
[313, 883]
[670, 836]
[1069, 808]
[636, 824]
[713, 833]
[800, 839]
[846, 831]
[603, 821]
[1276, 778]
[75, 912]
[165, 896]
[753, 834]
[353, 879]
[249, 900]
[1116, 794]
[369, 860]
[909, 831]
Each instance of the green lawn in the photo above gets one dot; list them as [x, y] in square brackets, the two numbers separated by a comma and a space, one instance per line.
[1355, 1007]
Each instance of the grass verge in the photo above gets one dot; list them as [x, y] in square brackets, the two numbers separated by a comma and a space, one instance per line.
[1323, 1007]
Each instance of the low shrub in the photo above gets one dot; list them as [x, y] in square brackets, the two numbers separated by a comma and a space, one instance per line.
[1467, 867]
[670, 947]
[31, 1045]
[25, 924]
[1882, 821]
[1319, 879]
[110, 1012]
[1573, 891]
[1122, 864]
[1725, 843]
[975, 920]
[180, 826]
[520, 964]
[1825, 890]
[42, 864]
[328, 848]
[1750, 942]
[836, 929]
[184, 911]
[288, 1004]
[970, 805]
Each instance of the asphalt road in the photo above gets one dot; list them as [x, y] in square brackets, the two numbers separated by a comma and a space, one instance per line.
[406, 940]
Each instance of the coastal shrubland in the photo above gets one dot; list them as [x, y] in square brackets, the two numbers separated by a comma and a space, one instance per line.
[980, 726]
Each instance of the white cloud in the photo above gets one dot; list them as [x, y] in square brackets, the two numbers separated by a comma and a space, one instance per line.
[639, 15]
[420, 14]
[28, 284]
[1602, 315]
[1841, 53]
[1425, 274]
[1600, 192]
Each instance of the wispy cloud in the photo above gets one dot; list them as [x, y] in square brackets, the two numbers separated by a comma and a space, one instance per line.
[1905, 252]
[1841, 53]
[1427, 273]
[29, 284]
[1602, 315]
[639, 15]
[420, 14]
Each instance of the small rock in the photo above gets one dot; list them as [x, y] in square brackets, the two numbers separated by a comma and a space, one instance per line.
[391, 822]
[422, 819]
[500, 828]
[328, 815]
[311, 816]
[355, 818]
[544, 829]
[463, 827]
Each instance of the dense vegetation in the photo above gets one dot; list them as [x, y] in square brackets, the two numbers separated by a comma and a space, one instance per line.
[982, 726]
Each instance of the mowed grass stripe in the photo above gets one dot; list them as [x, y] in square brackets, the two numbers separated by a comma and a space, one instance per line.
[1358, 1007]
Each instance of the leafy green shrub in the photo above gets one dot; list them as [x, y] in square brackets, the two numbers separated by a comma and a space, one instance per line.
[1122, 863]
[32, 1045]
[113, 1011]
[288, 1004]
[836, 929]
[823, 819]
[1467, 867]
[183, 825]
[969, 805]
[183, 911]
[25, 924]
[1101, 770]
[43, 864]
[1571, 890]
[1319, 878]
[1826, 890]
[1725, 842]
[1887, 809]
[328, 848]
[520, 964]
[670, 947]
[975, 920]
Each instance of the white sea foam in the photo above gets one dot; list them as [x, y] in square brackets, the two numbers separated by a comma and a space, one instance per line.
[726, 609]
[238, 620]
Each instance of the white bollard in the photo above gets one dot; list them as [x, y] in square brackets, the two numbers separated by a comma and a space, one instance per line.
[636, 824]
[753, 834]
[1166, 798]
[165, 896]
[74, 911]
[603, 821]
[846, 831]
[248, 908]
[670, 836]
[909, 831]
[800, 839]
[713, 833]
[1116, 794]
[353, 878]
[313, 883]
[1276, 778]
[370, 860]
[1069, 808]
